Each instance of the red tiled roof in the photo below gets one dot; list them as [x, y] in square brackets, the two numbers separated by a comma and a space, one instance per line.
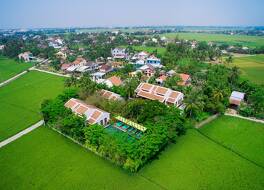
[109, 95]
[162, 77]
[154, 92]
[184, 78]
[162, 90]
[78, 60]
[146, 86]
[81, 109]
[116, 81]
[70, 103]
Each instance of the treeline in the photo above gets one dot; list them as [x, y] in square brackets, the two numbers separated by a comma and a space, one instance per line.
[16, 45]
[254, 104]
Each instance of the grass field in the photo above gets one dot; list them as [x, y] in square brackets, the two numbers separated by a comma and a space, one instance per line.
[9, 68]
[242, 136]
[160, 50]
[20, 101]
[252, 68]
[249, 41]
[44, 159]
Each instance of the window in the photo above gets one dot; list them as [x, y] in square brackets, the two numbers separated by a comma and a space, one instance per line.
[102, 122]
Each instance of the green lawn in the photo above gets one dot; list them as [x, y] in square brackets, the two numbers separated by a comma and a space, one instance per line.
[9, 68]
[252, 68]
[20, 101]
[249, 41]
[242, 136]
[44, 159]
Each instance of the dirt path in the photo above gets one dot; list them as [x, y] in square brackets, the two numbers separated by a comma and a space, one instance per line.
[20, 134]
[13, 78]
[247, 118]
[49, 72]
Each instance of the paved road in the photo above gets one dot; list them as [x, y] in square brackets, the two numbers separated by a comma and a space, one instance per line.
[20, 134]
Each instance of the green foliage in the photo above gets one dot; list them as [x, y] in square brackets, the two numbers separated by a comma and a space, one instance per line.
[172, 82]
[94, 135]
[163, 125]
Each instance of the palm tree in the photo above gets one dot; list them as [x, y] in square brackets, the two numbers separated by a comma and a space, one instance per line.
[130, 87]
[193, 103]
[234, 75]
[218, 95]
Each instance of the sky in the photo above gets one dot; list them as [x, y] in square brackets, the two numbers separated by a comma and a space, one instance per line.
[110, 13]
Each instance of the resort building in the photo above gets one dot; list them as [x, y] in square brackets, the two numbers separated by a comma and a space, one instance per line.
[162, 94]
[110, 95]
[236, 98]
[93, 114]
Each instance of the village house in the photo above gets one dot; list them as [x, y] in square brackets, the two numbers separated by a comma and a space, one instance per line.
[140, 56]
[135, 73]
[162, 94]
[2, 47]
[109, 95]
[61, 55]
[154, 61]
[77, 65]
[116, 64]
[147, 70]
[161, 79]
[105, 68]
[119, 53]
[26, 56]
[170, 73]
[236, 98]
[65, 66]
[93, 114]
[89, 66]
[113, 81]
[79, 61]
[98, 76]
[185, 80]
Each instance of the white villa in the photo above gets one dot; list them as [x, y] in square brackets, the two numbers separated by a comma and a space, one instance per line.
[93, 114]
[162, 94]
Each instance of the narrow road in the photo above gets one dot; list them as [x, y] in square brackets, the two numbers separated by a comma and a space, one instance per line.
[20, 134]
[13, 78]
[49, 72]
[246, 118]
